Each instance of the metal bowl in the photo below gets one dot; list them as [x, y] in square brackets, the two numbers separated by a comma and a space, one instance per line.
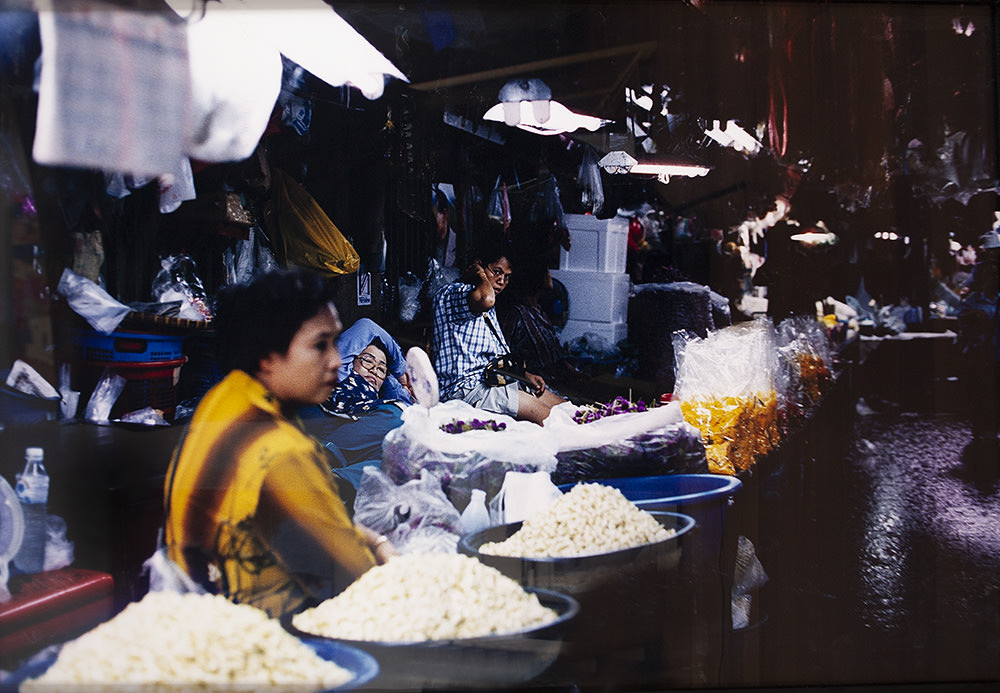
[578, 574]
[490, 661]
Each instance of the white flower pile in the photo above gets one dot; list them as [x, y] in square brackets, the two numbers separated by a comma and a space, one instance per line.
[589, 519]
[423, 597]
[184, 642]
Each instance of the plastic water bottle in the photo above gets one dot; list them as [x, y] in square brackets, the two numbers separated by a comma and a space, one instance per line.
[475, 517]
[32, 491]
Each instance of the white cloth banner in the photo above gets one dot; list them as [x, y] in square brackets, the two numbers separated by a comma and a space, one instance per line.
[114, 90]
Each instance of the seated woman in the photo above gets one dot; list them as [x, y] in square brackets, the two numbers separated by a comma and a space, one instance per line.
[367, 402]
[356, 339]
[252, 510]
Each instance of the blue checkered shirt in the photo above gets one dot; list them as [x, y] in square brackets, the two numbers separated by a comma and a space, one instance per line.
[462, 342]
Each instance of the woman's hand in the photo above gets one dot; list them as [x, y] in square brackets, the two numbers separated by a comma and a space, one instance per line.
[379, 544]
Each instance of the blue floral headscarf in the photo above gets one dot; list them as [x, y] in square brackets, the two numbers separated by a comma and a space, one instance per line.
[352, 397]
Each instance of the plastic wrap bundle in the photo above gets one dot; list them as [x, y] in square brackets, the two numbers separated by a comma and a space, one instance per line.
[727, 386]
[416, 515]
[805, 356]
[652, 442]
[469, 460]
[656, 311]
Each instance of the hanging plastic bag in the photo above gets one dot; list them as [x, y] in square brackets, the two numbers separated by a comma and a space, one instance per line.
[409, 296]
[500, 204]
[588, 178]
[308, 237]
[178, 280]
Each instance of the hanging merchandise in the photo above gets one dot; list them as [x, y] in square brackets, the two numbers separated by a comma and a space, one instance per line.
[296, 110]
[500, 204]
[177, 280]
[174, 187]
[308, 237]
[588, 178]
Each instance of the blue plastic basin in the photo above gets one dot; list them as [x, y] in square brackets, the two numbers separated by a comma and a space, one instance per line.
[649, 492]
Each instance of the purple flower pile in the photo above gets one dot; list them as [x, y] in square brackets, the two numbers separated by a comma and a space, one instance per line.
[619, 405]
[457, 426]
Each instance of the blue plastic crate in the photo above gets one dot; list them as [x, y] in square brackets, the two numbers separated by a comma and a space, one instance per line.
[127, 347]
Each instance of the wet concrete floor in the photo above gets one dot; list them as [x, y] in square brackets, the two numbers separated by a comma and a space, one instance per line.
[883, 562]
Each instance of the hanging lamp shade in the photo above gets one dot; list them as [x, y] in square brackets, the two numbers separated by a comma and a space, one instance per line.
[527, 104]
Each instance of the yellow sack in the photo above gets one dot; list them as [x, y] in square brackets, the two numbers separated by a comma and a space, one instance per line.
[308, 237]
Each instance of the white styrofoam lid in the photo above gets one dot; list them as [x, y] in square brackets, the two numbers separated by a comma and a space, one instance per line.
[11, 522]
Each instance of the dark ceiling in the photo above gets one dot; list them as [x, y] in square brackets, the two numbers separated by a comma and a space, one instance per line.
[852, 96]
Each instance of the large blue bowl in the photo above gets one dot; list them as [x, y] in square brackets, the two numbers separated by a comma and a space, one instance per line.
[652, 492]
[363, 666]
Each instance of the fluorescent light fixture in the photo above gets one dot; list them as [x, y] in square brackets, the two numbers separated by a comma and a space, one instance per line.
[821, 235]
[622, 162]
[558, 120]
[814, 238]
[690, 170]
[527, 104]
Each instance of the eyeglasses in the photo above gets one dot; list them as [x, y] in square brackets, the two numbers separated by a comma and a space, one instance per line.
[371, 365]
[499, 273]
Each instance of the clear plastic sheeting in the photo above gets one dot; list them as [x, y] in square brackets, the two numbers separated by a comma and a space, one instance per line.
[728, 388]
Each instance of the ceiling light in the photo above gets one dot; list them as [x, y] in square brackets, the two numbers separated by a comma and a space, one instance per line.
[527, 104]
[617, 162]
[817, 235]
[622, 162]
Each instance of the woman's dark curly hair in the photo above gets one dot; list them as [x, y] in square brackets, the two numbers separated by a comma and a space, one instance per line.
[255, 320]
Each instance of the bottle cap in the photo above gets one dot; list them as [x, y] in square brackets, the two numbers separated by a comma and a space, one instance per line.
[34, 453]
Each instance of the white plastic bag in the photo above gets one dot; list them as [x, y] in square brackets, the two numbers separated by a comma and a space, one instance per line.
[109, 387]
[567, 434]
[522, 496]
[58, 549]
[473, 459]
[91, 302]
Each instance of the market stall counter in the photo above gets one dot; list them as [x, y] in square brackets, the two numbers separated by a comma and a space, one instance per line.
[106, 482]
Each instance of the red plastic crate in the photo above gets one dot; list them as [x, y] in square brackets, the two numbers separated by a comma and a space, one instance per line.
[149, 384]
[51, 607]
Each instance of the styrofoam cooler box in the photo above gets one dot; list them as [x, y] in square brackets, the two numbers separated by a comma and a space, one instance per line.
[596, 245]
[596, 296]
[611, 332]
